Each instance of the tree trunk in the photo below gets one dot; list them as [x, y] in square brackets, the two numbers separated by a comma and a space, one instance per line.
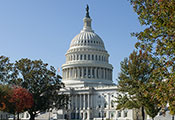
[14, 118]
[32, 116]
[143, 113]
[17, 116]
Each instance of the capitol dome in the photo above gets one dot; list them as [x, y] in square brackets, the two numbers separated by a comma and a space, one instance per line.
[87, 60]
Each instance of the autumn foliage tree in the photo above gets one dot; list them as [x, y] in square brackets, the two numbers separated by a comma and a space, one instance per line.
[21, 100]
[158, 38]
[136, 83]
[42, 82]
[4, 95]
[15, 100]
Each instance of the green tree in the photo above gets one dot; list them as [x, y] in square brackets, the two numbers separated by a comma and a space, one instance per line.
[158, 37]
[42, 82]
[136, 83]
[5, 68]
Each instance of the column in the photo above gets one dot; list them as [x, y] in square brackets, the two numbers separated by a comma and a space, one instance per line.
[83, 72]
[95, 72]
[78, 72]
[105, 73]
[92, 76]
[91, 100]
[76, 102]
[99, 73]
[86, 72]
[88, 101]
[80, 102]
[67, 73]
[70, 104]
[84, 101]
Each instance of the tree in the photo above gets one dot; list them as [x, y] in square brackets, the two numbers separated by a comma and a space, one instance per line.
[21, 100]
[158, 38]
[5, 68]
[136, 83]
[42, 82]
[4, 92]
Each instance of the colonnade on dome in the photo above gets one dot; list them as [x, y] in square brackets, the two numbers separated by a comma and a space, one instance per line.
[87, 73]
[87, 56]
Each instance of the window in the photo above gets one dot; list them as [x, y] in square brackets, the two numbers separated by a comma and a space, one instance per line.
[77, 57]
[99, 57]
[105, 105]
[88, 57]
[84, 72]
[104, 115]
[81, 57]
[84, 57]
[99, 114]
[112, 104]
[112, 114]
[125, 113]
[119, 114]
[80, 72]
[97, 72]
[92, 57]
[96, 57]
[85, 115]
[74, 57]
[89, 73]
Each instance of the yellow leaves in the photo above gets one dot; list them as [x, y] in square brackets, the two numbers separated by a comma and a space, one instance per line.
[2, 106]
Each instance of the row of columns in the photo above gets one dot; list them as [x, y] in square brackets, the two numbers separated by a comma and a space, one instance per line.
[86, 57]
[87, 72]
[81, 101]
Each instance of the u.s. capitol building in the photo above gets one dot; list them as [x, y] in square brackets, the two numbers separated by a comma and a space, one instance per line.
[87, 76]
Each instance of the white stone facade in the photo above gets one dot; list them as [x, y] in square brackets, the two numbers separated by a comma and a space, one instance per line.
[87, 75]
[93, 103]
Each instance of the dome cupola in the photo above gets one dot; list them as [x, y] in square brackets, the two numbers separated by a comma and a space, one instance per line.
[87, 60]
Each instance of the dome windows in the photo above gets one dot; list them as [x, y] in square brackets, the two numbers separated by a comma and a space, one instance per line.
[77, 57]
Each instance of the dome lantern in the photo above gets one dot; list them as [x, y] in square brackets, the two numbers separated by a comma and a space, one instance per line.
[87, 22]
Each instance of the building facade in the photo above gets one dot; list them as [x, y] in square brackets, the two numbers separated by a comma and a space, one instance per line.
[87, 75]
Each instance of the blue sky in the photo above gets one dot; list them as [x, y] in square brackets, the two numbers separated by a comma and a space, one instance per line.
[43, 29]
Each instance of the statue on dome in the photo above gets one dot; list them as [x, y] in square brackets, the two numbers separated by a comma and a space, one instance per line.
[87, 12]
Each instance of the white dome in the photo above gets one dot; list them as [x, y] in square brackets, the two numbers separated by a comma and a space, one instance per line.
[87, 60]
[89, 39]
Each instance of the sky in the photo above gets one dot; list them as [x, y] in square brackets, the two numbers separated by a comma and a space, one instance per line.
[43, 29]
